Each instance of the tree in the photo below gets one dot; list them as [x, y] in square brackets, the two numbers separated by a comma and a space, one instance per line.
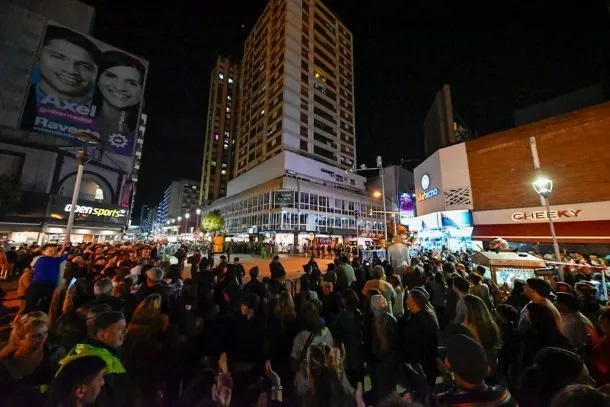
[212, 222]
[10, 192]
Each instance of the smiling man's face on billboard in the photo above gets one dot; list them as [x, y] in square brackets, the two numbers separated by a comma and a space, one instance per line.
[66, 69]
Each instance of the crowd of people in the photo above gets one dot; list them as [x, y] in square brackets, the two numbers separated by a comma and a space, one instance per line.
[115, 325]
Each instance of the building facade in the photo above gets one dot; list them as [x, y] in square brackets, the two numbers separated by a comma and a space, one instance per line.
[179, 198]
[296, 87]
[148, 216]
[38, 149]
[296, 139]
[568, 149]
[220, 130]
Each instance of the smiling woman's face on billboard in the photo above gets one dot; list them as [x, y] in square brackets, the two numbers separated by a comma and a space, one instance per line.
[66, 68]
[121, 86]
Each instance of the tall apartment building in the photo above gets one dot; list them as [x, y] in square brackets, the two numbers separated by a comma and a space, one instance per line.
[295, 136]
[296, 87]
[220, 131]
[179, 198]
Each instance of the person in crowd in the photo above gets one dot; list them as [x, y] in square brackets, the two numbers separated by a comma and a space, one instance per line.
[283, 327]
[418, 337]
[145, 342]
[577, 395]
[347, 331]
[276, 268]
[328, 385]
[378, 283]
[481, 290]
[543, 332]
[305, 294]
[538, 291]
[314, 332]
[460, 287]
[154, 284]
[517, 297]
[398, 308]
[552, 369]
[384, 348]
[507, 318]
[578, 330]
[600, 355]
[398, 255]
[255, 286]
[346, 275]
[78, 383]
[102, 289]
[106, 334]
[47, 278]
[467, 360]
[331, 301]
[239, 270]
[437, 287]
[481, 326]
[28, 363]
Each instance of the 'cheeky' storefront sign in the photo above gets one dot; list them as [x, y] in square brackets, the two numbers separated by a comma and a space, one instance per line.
[538, 215]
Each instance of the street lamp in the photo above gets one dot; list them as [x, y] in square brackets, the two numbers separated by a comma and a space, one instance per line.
[543, 187]
[378, 194]
[86, 140]
[198, 212]
[379, 168]
[187, 216]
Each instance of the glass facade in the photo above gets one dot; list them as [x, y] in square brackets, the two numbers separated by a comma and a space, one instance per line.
[310, 212]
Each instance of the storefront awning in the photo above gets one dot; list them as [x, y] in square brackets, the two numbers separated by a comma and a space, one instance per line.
[567, 232]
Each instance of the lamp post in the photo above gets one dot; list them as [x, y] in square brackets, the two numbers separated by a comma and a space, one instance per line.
[543, 187]
[86, 140]
[179, 220]
[187, 216]
[198, 212]
[379, 168]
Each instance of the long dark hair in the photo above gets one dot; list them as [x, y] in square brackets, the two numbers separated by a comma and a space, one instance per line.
[111, 59]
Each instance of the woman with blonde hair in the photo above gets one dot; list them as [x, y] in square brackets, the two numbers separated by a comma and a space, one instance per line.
[480, 325]
[28, 363]
[328, 386]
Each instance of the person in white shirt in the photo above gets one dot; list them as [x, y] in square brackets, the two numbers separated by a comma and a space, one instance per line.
[398, 255]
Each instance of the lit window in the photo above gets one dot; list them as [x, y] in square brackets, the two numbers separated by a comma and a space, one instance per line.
[221, 76]
[230, 80]
[228, 109]
[224, 165]
[99, 194]
[226, 146]
[216, 136]
[262, 111]
[229, 97]
[213, 163]
[223, 172]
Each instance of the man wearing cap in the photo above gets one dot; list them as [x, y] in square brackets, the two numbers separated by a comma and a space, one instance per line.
[106, 332]
[467, 361]
[538, 291]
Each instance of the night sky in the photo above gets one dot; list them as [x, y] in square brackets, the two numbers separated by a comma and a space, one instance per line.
[497, 56]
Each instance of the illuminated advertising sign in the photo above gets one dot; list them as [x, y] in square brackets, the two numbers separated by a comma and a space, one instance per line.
[82, 85]
[86, 211]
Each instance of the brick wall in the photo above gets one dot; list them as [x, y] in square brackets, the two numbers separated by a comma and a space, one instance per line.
[574, 151]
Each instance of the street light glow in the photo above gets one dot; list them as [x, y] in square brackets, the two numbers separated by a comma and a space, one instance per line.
[377, 194]
[198, 211]
[543, 186]
[187, 215]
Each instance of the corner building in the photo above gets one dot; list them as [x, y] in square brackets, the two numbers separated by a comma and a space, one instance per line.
[296, 136]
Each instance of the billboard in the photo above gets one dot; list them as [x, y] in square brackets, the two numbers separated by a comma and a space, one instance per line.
[86, 211]
[80, 84]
